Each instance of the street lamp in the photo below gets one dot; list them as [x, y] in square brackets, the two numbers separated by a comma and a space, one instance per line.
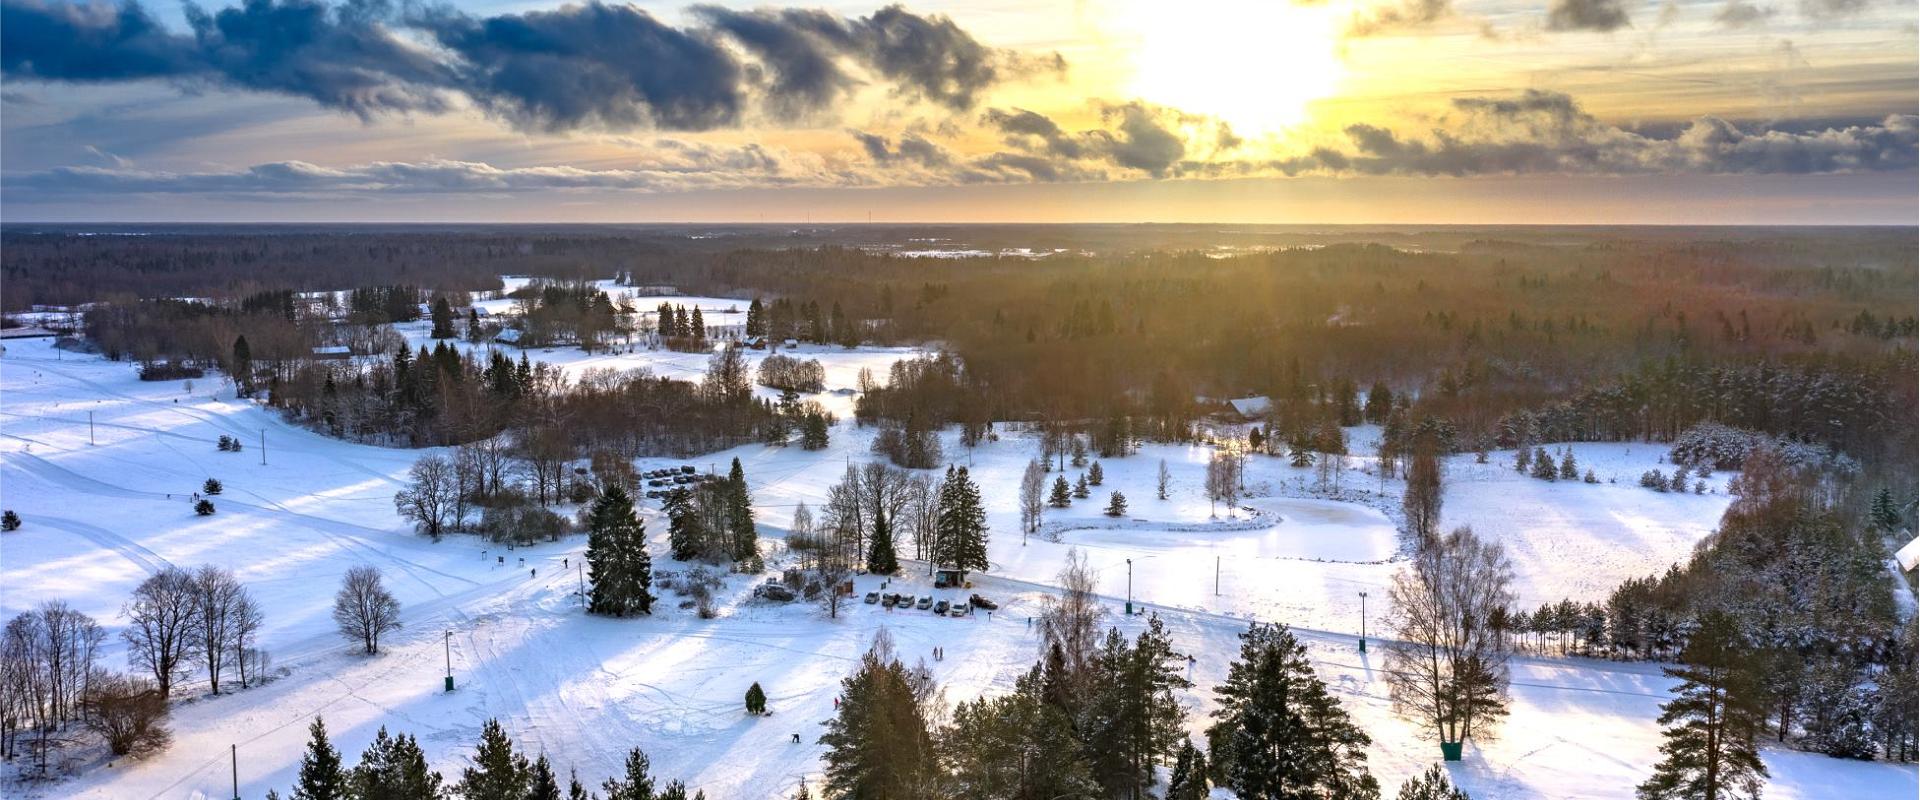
[449, 641]
[1129, 587]
[1363, 622]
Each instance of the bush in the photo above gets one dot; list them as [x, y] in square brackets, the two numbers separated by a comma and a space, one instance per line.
[170, 371]
[9, 521]
[203, 508]
[212, 486]
[128, 711]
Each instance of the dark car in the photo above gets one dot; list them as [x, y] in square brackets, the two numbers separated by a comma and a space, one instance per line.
[889, 599]
[981, 602]
[688, 469]
[941, 607]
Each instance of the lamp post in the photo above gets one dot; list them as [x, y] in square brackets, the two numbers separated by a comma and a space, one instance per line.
[449, 643]
[1363, 622]
[1129, 587]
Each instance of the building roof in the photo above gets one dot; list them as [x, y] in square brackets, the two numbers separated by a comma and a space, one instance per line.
[1251, 407]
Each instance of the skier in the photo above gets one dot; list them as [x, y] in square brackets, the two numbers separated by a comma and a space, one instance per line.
[796, 738]
[531, 573]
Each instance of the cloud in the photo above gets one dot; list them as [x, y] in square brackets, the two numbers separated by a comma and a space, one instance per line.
[1397, 15]
[592, 65]
[1587, 15]
[1548, 133]
[1743, 14]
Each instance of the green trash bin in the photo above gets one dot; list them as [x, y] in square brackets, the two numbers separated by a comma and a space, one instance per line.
[1450, 751]
[449, 683]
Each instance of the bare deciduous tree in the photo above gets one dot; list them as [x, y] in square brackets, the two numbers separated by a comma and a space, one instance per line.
[364, 609]
[1449, 667]
[247, 620]
[1422, 499]
[217, 599]
[162, 616]
[432, 496]
[129, 712]
[1071, 619]
[1033, 484]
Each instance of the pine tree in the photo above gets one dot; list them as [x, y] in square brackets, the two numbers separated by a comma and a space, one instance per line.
[1095, 474]
[575, 789]
[242, 371]
[635, 784]
[878, 745]
[9, 521]
[541, 784]
[881, 559]
[697, 329]
[1117, 505]
[1016, 745]
[756, 699]
[393, 768]
[1431, 785]
[1080, 489]
[743, 540]
[498, 773]
[1709, 752]
[203, 508]
[1569, 471]
[618, 565]
[1062, 495]
[321, 775]
[1543, 465]
[212, 486]
[813, 431]
[1278, 732]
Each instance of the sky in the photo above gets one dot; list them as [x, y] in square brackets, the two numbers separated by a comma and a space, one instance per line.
[1302, 111]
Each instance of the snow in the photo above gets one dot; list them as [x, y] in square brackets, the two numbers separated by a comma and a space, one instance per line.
[98, 518]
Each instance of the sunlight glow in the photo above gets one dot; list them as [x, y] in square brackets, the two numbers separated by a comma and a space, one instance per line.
[1255, 63]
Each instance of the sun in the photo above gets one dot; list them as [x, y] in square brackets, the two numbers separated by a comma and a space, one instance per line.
[1255, 63]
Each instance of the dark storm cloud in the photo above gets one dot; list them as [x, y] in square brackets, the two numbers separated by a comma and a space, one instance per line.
[1587, 15]
[1830, 9]
[1742, 14]
[592, 65]
[913, 148]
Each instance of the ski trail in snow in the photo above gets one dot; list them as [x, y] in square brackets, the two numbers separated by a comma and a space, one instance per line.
[146, 559]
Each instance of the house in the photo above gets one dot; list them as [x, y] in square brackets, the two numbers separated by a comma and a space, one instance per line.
[1251, 407]
[332, 352]
[508, 336]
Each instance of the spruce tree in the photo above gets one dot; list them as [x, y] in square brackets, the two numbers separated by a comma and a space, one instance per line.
[618, 565]
[242, 367]
[1189, 778]
[575, 789]
[881, 559]
[1095, 474]
[1279, 732]
[1117, 505]
[442, 319]
[756, 319]
[212, 486]
[498, 773]
[1080, 489]
[960, 527]
[685, 533]
[1709, 752]
[1885, 513]
[1299, 451]
[321, 775]
[742, 539]
[1062, 495]
[1569, 471]
[1016, 745]
[756, 699]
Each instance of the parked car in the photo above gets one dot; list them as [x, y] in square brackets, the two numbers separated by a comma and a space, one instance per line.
[889, 599]
[873, 597]
[940, 607]
[924, 603]
[959, 610]
[905, 601]
[776, 592]
[688, 469]
[981, 602]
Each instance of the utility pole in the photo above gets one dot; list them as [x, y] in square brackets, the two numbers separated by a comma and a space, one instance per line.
[263, 447]
[90, 440]
[1129, 587]
[449, 641]
[1363, 622]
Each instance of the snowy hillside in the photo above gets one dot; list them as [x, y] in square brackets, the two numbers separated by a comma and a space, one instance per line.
[107, 503]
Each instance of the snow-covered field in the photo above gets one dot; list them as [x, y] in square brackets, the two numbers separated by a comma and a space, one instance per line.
[100, 515]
